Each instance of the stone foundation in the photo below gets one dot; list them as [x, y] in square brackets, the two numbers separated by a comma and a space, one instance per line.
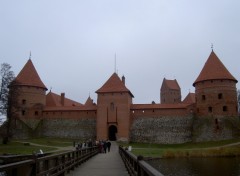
[215, 129]
[164, 130]
[83, 128]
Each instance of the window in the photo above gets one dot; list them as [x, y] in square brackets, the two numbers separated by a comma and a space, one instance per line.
[23, 101]
[36, 113]
[203, 97]
[23, 112]
[209, 109]
[224, 108]
[112, 106]
[220, 96]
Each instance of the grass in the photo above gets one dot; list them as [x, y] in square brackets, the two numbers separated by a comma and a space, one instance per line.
[24, 146]
[59, 142]
[202, 149]
[20, 148]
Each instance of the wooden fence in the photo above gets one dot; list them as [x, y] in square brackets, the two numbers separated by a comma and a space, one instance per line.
[136, 166]
[57, 164]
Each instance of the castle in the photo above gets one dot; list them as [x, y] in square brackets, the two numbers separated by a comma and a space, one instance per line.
[211, 113]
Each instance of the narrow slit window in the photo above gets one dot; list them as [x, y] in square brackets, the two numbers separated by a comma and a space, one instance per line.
[225, 109]
[220, 96]
[209, 109]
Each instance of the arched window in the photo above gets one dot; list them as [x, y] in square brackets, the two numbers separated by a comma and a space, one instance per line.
[203, 97]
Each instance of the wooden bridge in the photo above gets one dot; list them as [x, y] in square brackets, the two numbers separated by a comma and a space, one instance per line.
[117, 162]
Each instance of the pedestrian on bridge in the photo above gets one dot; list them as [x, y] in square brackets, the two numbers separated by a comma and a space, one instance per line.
[108, 145]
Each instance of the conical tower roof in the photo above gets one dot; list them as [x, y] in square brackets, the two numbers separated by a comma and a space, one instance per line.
[28, 76]
[190, 98]
[214, 70]
[89, 102]
[114, 85]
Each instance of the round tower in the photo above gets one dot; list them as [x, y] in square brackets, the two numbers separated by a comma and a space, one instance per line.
[31, 92]
[215, 88]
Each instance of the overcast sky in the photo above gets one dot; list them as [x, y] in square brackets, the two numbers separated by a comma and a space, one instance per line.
[73, 43]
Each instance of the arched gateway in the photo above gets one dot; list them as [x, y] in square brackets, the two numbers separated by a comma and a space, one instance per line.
[112, 130]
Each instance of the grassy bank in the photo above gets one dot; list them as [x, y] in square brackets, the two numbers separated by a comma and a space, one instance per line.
[28, 146]
[203, 149]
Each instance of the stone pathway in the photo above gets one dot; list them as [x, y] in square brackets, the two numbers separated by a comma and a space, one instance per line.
[109, 164]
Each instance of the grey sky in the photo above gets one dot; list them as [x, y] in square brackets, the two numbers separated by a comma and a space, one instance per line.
[73, 42]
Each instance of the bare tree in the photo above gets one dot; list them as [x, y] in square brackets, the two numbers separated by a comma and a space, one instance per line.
[7, 77]
[8, 98]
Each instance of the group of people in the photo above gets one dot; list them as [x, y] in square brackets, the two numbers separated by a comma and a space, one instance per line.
[85, 144]
[104, 145]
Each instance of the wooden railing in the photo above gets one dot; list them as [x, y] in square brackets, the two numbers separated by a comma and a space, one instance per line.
[136, 166]
[57, 164]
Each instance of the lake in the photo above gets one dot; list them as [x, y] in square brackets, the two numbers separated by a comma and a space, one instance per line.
[215, 166]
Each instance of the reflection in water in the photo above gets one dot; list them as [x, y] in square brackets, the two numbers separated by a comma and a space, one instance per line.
[217, 166]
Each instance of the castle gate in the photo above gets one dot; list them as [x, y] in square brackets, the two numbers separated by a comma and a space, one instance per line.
[112, 130]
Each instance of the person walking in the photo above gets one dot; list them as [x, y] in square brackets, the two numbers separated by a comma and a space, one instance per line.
[105, 146]
[108, 145]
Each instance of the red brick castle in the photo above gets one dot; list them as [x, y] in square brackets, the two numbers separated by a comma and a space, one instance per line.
[208, 114]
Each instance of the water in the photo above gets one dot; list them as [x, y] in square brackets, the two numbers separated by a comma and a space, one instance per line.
[219, 166]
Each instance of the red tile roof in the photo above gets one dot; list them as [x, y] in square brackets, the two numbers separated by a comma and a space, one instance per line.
[171, 84]
[54, 100]
[114, 85]
[190, 99]
[28, 76]
[214, 69]
[89, 102]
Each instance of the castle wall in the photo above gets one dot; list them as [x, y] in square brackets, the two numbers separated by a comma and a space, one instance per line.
[162, 129]
[69, 114]
[165, 126]
[221, 128]
[84, 128]
[69, 124]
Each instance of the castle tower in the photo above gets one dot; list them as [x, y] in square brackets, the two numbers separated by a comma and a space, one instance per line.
[113, 110]
[215, 89]
[170, 92]
[32, 92]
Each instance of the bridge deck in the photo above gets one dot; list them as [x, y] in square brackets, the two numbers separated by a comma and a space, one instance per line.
[108, 164]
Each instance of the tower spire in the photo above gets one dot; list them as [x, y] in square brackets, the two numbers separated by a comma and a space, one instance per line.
[212, 46]
[115, 63]
[30, 55]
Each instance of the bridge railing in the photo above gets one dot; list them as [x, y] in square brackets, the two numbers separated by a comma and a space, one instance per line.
[136, 166]
[57, 164]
